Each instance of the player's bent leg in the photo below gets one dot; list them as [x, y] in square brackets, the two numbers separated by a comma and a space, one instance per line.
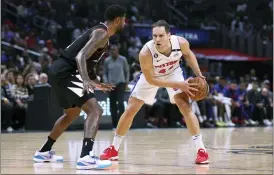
[125, 122]
[87, 160]
[192, 123]
[63, 122]
[184, 106]
[45, 154]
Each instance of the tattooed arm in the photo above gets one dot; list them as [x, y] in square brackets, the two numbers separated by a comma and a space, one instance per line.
[99, 39]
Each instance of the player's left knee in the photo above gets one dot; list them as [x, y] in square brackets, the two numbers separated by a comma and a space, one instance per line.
[97, 112]
[183, 105]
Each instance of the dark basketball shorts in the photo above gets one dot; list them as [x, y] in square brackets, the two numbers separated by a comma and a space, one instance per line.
[67, 85]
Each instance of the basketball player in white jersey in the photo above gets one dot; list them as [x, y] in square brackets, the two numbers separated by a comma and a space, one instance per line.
[159, 60]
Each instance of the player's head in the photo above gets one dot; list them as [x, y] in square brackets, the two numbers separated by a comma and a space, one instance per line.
[161, 34]
[116, 15]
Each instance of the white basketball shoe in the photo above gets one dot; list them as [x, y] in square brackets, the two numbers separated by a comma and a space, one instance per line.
[92, 162]
[48, 156]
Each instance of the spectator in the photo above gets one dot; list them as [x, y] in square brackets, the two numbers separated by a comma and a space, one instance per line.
[10, 85]
[133, 52]
[20, 62]
[116, 72]
[196, 110]
[52, 51]
[134, 39]
[231, 77]
[21, 97]
[7, 34]
[265, 108]
[21, 9]
[203, 107]
[236, 26]
[30, 39]
[45, 63]
[245, 105]
[265, 34]
[43, 79]
[30, 83]
[209, 24]
[252, 94]
[31, 69]
[231, 93]
[247, 28]
[211, 106]
[223, 103]
[253, 74]
[157, 110]
[76, 33]
[170, 113]
[4, 58]
[266, 84]
[6, 108]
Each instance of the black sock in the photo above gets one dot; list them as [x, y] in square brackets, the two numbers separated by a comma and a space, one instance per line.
[87, 146]
[47, 146]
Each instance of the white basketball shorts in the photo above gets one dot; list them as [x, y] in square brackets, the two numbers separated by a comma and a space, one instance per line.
[147, 92]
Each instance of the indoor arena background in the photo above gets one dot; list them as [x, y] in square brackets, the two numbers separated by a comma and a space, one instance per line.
[232, 44]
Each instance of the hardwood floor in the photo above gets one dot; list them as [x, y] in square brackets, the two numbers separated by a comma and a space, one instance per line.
[147, 151]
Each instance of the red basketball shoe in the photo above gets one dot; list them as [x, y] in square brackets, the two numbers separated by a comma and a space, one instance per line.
[202, 157]
[109, 154]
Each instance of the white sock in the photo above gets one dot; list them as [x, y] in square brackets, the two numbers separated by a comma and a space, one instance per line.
[198, 142]
[117, 140]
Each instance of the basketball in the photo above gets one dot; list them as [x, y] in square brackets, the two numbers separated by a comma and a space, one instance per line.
[202, 87]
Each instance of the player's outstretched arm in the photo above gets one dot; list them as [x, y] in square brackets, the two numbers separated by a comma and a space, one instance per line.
[145, 59]
[189, 56]
[98, 39]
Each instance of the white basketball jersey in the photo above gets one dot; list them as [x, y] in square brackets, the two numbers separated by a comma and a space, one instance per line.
[162, 64]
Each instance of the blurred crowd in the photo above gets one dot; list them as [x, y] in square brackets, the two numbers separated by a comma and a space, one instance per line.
[30, 44]
[247, 102]
[237, 16]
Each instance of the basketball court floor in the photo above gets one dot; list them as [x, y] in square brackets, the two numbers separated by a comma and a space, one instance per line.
[148, 151]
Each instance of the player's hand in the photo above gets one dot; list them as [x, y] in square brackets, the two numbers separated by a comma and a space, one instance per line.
[91, 85]
[88, 85]
[104, 87]
[188, 87]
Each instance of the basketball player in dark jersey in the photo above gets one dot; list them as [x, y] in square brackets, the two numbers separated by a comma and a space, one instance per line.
[73, 79]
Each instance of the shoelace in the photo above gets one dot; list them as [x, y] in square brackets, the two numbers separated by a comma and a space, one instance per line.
[107, 150]
[202, 152]
[95, 157]
[51, 153]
